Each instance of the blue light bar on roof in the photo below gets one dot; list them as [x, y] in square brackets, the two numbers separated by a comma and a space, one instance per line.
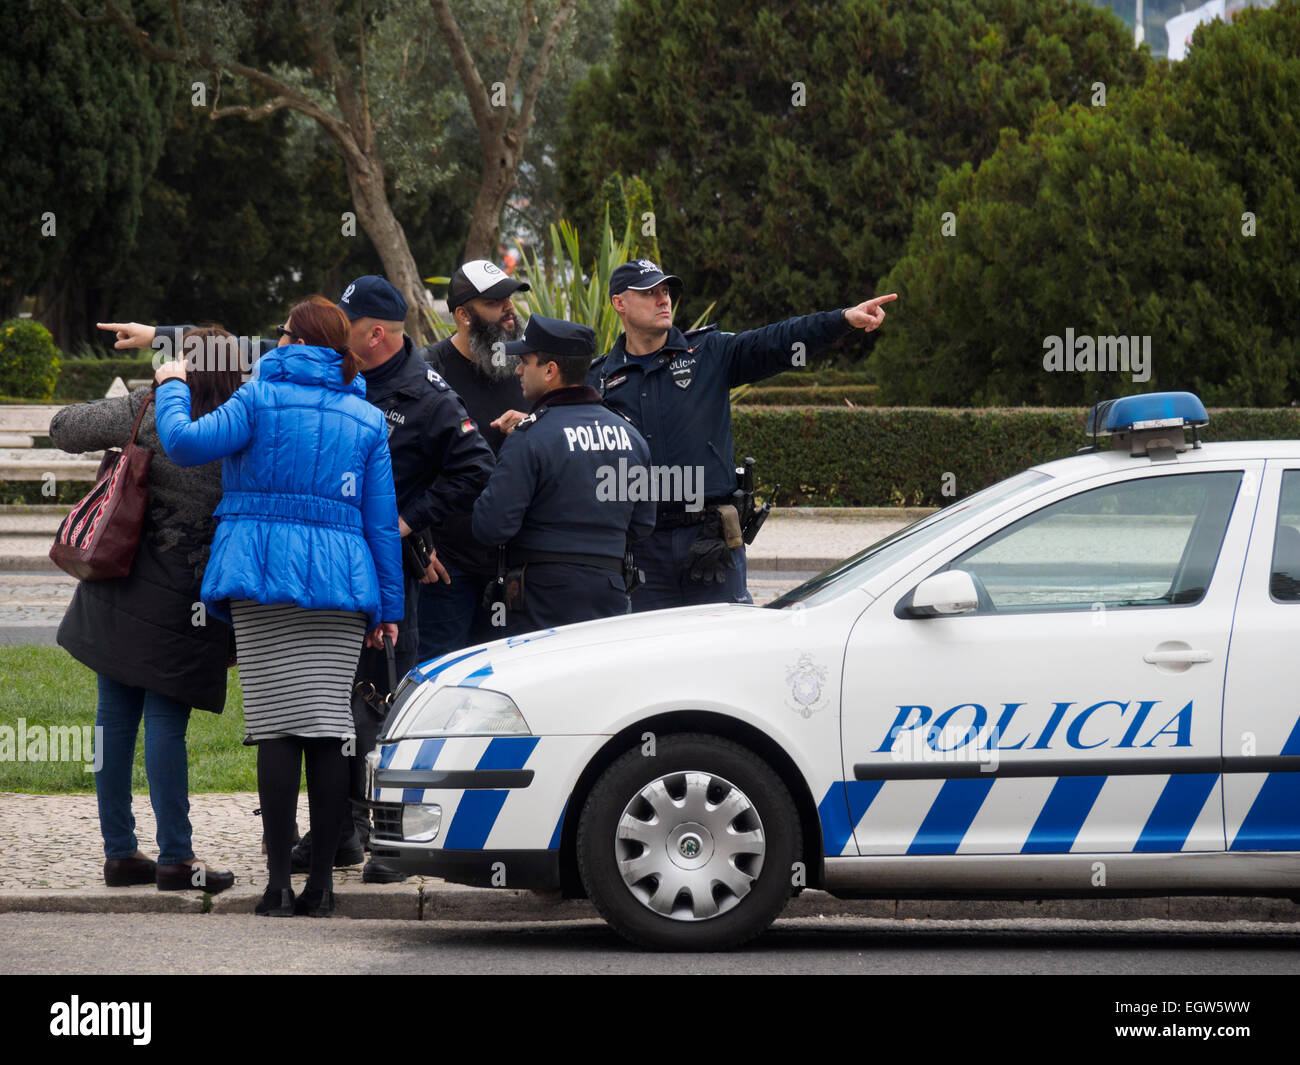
[1158, 410]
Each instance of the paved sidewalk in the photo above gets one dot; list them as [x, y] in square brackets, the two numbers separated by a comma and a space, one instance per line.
[51, 860]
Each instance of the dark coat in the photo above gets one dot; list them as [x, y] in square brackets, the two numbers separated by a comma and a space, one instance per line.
[148, 629]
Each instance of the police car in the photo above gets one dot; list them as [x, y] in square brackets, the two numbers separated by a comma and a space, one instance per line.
[1076, 682]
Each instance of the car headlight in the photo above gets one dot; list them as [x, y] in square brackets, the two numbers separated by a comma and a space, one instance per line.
[459, 711]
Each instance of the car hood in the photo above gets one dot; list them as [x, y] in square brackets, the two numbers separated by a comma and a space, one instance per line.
[685, 624]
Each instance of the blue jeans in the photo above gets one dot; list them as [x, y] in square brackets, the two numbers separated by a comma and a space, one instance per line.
[165, 764]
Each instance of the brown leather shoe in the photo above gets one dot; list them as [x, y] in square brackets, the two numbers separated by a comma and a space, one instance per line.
[123, 872]
[196, 877]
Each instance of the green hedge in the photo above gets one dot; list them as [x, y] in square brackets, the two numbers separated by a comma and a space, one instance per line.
[812, 395]
[891, 456]
[89, 378]
[817, 377]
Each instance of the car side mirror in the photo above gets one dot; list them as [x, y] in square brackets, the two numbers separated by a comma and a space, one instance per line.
[940, 595]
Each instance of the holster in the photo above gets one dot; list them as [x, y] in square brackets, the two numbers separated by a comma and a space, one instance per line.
[417, 552]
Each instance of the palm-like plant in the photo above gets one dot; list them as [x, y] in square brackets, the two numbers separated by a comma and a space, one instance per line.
[566, 291]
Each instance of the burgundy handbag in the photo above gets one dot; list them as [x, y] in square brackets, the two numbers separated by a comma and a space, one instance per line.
[97, 541]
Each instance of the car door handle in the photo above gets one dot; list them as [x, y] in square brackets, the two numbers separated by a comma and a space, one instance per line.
[1187, 657]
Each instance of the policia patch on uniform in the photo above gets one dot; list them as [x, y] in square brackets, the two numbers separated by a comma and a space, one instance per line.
[683, 373]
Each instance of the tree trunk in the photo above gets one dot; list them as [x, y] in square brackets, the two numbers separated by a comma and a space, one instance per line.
[498, 179]
[389, 238]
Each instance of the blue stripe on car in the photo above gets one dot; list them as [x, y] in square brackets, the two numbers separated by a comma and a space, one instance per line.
[949, 816]
[507, 752]
[1273, 821]
[477, 677]
[1175, 812]
[475, 815]
[833, 811]
[1063, 814]
[555, 836]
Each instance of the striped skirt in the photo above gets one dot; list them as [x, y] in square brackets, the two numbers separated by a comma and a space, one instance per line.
[296, 667]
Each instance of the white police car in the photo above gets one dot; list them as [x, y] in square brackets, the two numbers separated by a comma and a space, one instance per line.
[1076, 682]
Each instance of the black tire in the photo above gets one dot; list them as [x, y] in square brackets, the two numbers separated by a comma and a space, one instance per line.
[749, 890]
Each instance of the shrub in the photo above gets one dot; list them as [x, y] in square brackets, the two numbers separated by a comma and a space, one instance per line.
[894, 456]
[29, 361]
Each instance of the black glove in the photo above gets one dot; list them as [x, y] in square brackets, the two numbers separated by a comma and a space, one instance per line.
[710, 557]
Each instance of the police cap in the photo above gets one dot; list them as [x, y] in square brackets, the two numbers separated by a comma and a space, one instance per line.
[554, 336]
[641, 275]
[373, 297]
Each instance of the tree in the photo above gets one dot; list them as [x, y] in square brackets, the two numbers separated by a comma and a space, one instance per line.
[1169, 214]
[502, 125]
[328, 84]
[1089, 227]
[83, 128]
[787, 148]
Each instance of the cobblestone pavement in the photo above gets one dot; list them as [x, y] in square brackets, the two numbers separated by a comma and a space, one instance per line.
[52, 842]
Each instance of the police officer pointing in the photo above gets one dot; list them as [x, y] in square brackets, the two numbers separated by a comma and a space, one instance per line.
[675, 387]
[557, 496]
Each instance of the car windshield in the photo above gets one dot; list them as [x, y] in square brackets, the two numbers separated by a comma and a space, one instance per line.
[853, 571]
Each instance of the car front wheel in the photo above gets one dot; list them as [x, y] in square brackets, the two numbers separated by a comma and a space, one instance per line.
[690, 847]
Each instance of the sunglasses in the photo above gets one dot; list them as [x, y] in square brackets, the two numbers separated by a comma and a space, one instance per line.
[281, 331]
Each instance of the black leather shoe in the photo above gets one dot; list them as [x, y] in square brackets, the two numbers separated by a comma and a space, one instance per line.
[123, 872]
[314, 903]
[374, 872]
[350, 852]
[275, 903]
[196, 877]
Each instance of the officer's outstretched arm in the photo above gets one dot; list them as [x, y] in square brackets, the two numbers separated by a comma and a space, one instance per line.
[499, 511]
[461, 457]
[773, 349]
[168, 340]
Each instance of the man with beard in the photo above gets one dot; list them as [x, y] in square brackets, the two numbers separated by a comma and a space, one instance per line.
[474, 362]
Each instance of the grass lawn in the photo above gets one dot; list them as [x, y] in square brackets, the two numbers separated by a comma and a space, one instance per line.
[47, 686]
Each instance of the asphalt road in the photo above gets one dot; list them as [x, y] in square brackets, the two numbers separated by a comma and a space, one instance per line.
[50, 944]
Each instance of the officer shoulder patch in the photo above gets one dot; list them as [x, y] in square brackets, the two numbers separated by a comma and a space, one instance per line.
[691, 334]
[436, 380]
[529, 419]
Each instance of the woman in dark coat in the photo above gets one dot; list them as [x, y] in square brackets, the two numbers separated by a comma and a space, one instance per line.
[147, 635]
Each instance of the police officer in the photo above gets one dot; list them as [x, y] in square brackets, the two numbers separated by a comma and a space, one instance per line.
[559, 496]
[675, 387]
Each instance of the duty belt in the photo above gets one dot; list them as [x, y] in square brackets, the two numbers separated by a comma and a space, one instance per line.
[679, 519]
[521, 556]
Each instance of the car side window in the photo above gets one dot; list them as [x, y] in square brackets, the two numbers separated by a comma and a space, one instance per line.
[1148, 542]
[1284, 582]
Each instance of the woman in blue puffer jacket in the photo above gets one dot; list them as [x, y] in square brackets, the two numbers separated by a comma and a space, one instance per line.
[306, 561]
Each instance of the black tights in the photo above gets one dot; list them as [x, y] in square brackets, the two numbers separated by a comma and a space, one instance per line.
[279, 771]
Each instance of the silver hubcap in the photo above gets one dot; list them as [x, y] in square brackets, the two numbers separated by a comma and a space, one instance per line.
[690, 845]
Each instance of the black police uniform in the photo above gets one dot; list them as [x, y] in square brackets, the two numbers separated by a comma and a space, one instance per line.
[559, 497]
[679, 397]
